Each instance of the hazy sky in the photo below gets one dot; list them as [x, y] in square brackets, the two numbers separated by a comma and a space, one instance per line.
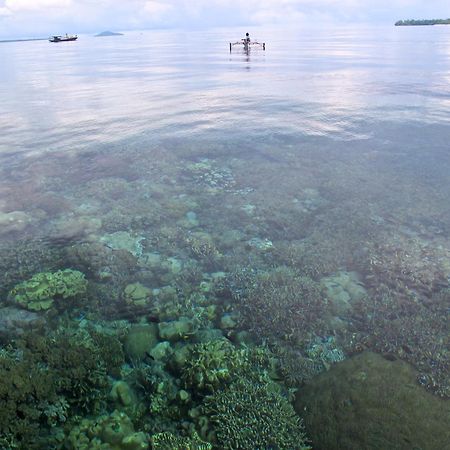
[44, 17]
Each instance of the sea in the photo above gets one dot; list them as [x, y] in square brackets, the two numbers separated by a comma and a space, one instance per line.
[253, 247]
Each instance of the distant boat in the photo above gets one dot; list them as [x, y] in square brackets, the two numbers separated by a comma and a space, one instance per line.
[66, 38]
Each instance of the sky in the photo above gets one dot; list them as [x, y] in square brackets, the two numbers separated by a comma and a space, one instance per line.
[35, 18]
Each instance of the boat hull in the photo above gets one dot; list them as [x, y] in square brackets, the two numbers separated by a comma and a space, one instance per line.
[63, 39]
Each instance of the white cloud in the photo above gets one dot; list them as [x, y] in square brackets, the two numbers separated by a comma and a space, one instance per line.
[25, 17]
[35, 5]
[156, 9]
[5, 12]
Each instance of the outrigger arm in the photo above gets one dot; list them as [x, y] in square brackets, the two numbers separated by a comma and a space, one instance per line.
[247, 44]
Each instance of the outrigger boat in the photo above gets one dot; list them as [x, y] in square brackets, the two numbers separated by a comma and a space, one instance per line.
[66, 38]
[247, 44]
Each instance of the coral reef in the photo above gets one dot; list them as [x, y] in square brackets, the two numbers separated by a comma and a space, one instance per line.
[20, 260]
[407, 265]
[114, 431]
[280, 304]
[43, 289]
[417, 332]
[123, 240]
[168, 441]
[208, 174]
[79, 365]
[248, 415]
[27, 392]
[47, 379]
[212, 364]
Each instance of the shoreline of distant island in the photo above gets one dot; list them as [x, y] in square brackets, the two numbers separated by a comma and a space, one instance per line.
[102, 34]
[419, 22]
[108, 33]
[22, 40]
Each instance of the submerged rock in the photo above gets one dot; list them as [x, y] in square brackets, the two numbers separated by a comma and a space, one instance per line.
[343, 290]
[260, 244]
[140, 340]
[368, 402]
[122, 393]
[14, 321]
[137, 294]
[176, 329]
[122, 240]
[13, 221]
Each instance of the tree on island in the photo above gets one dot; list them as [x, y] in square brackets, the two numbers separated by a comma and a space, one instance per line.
[410, 22]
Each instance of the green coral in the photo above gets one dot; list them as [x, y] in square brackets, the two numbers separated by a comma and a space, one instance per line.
[159, 390]
[28, 399]
[81, 363]
[168, 441]
[214, 364]
[46, 380]
[107, 432]
[249, 415]
[211, 364]
[43, 289]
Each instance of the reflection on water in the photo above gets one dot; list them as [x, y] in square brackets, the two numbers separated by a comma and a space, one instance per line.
[108, 89]
[189, 237]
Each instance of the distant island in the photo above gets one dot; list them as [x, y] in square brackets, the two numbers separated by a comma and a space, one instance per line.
[413, 22]
[108, 33]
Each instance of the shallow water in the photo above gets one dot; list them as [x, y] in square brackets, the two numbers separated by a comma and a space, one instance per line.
[325, 156]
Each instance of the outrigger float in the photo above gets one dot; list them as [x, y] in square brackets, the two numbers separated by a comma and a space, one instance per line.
[248, 44]
[66, 38]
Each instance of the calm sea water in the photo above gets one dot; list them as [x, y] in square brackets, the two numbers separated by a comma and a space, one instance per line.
[325, 155]
[341, 83]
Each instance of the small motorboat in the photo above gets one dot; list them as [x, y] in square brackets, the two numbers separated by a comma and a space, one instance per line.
[66, 38]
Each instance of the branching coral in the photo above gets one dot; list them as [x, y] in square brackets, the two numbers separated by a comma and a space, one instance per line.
[280, 304]
[47, 379]
[80, 365]
[248, 415]
[168, 441]
[27, 394]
